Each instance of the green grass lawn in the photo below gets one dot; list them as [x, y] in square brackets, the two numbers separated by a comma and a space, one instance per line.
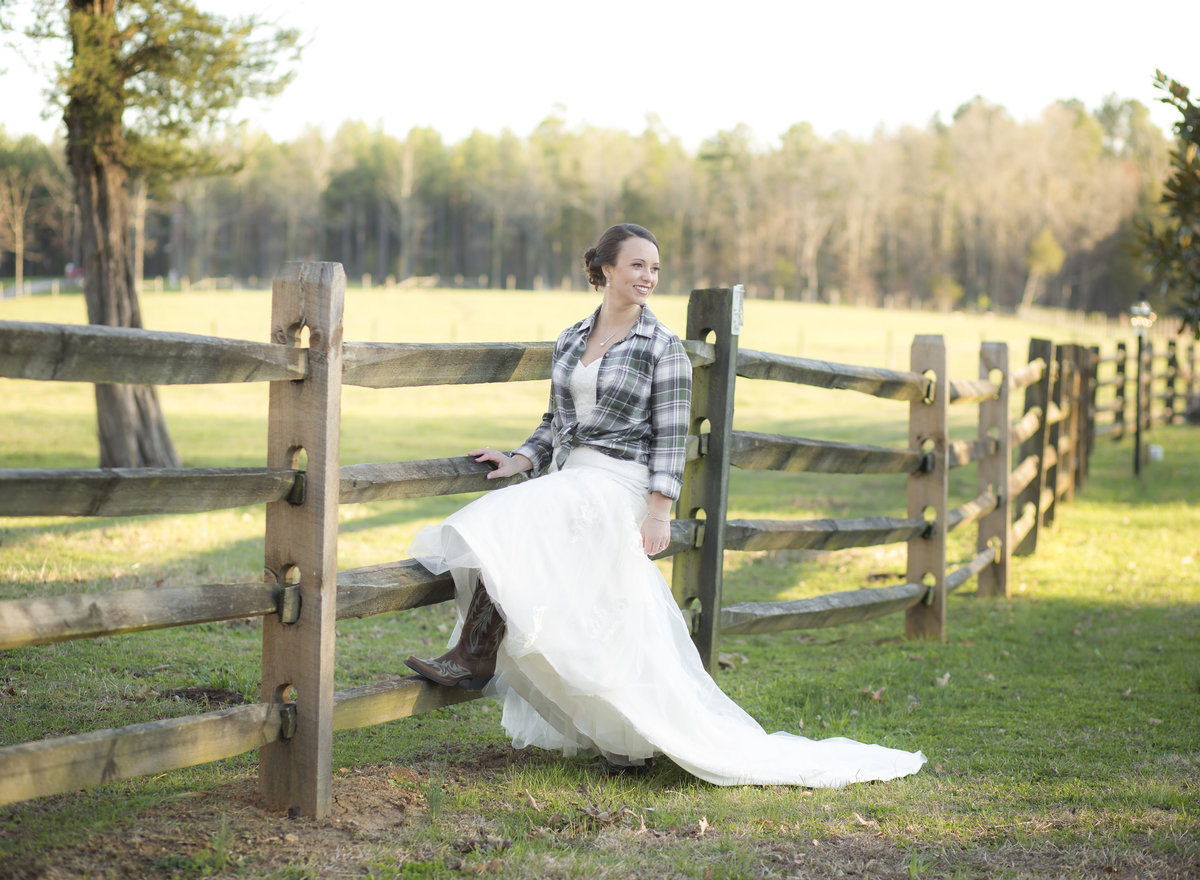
[1060, 724]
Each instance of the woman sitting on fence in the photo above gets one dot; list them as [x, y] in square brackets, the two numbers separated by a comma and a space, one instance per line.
[562, 613]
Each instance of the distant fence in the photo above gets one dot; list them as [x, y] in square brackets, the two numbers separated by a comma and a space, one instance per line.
[302, 485]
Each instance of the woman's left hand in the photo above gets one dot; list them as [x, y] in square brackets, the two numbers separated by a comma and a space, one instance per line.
[656, 535]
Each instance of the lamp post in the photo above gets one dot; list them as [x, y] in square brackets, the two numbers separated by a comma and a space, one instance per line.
[1141, 316]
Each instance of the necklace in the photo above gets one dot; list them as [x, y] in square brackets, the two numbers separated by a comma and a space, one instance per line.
[604, 341]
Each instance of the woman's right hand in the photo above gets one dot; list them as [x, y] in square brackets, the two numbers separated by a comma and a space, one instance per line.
[505, 465]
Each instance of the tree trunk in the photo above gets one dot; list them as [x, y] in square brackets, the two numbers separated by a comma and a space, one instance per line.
[132, 430]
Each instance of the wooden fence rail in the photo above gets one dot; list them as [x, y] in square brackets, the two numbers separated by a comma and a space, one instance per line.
[302, 485]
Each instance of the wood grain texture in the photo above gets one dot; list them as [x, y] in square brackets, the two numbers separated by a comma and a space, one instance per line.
[411, 364]
[971, 511]
[775, 452]
[1027, 375]
[992, 476]
[928, 427]
[1026, 426]
[888, 384]
[138, 491]
[42, 620]
[978, 563]
[104, 355]
[304, 418]
[971, 391]
[832, 609]
[697, 572]
[388, 700]
[62, 764]
[820, 534]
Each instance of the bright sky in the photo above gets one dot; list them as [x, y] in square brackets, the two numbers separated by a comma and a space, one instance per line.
[700, 66]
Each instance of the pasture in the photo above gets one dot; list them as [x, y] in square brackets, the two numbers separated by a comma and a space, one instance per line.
[1059, 724]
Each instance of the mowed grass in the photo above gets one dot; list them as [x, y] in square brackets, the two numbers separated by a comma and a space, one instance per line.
[1060, 724]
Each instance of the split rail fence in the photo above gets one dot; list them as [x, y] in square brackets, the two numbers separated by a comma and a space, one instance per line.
[302, 485]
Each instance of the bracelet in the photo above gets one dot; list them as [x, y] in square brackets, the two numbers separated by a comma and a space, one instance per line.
[659, 518]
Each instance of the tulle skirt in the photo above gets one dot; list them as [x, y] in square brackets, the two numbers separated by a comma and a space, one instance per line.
[596, 655]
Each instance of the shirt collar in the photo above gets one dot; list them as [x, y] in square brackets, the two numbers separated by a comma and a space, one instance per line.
[643, 326]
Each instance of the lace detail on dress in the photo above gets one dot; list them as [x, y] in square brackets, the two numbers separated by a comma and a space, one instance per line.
[583, 388]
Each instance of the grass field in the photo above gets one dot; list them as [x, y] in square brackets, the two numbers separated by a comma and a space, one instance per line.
[1060, 724]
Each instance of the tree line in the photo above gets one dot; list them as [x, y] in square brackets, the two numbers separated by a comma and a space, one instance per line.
[982, 211]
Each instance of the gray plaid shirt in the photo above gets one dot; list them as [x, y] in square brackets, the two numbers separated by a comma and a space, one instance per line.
[643, 402]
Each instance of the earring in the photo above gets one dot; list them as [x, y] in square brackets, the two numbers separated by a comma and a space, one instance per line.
[608, 282]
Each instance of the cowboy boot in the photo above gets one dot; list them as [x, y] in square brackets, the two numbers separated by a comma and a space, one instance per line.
[471, 663]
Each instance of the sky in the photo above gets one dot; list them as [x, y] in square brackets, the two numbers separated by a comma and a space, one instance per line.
[699, 67]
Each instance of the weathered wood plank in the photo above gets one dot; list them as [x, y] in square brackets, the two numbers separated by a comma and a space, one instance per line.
[304, 420]
[1027, 375]
[971, 391]
[968, 513]
[1023, 474]
[1026, 427]
[42, 620]
[62, 764]
[697, 572]
[775, 452]
[102, 355]
[978, 563]
[928, 428]
[820, 534]
[1038, 397]
[410, 364]
[832, 609]
[388, 700]
[417, 479]
[888, 384]
[1021, 527]
[994, 473]
[964, 452]
[138, 491]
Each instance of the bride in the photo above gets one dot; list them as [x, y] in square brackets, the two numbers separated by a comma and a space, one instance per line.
[561, 611]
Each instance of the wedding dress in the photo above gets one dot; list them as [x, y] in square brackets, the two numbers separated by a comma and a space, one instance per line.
[596, 654]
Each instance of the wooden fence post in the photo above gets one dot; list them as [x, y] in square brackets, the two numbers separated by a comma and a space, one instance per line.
[1171, 396]
[1119, 391]
[1191, 377]
[1054, 433]
[696, 574]
[1068, 434]
[993, 471]
[1036, 395]
[1092, 355]
[1148, 388]
[301, 541]
[928, 490]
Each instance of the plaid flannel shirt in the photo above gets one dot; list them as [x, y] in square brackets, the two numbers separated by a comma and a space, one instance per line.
[643, 403]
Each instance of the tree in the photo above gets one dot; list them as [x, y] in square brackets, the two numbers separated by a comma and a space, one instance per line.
[145, 79]
[25, 168]
[1043, 258]
[1172, 251]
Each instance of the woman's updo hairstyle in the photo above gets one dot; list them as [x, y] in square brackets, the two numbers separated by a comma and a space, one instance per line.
[606, 250]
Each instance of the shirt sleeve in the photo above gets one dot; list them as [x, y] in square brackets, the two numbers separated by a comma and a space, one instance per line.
[670, 412]
[539, 445]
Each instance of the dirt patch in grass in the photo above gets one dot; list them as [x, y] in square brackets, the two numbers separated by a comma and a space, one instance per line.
[384, 824]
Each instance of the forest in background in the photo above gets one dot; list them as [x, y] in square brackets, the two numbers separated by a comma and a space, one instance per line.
[979, 212]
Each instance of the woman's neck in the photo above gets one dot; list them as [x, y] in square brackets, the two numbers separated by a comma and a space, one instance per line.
[612, 315]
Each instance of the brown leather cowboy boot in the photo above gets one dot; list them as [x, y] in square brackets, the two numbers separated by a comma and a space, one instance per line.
[471, 663]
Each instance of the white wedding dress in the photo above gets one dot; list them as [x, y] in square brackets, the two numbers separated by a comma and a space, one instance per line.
[596, 654]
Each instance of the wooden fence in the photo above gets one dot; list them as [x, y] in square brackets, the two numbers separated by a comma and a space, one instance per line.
[302, 485]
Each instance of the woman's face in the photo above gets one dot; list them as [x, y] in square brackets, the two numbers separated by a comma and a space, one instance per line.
[635, 275]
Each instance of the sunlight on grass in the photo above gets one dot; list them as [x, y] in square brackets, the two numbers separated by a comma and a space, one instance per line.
[1062, 717]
